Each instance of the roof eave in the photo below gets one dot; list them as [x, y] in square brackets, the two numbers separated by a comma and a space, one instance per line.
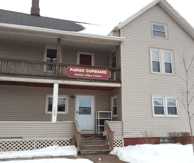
[58, 33]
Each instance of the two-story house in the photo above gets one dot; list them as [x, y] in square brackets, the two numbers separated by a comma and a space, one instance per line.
[60, 86]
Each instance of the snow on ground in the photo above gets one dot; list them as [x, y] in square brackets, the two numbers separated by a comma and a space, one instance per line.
[59, 160]
[44, 152]
[163, 153]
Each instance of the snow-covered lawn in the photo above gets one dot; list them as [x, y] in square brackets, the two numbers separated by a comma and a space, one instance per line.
[163, 153]
[44, 152]
[59, 160]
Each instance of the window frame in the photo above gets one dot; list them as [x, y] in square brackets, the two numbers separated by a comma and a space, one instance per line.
[86, 53]
[164, 98]
[66, 104]
[111, 102]
[162, 61]
[159, 24]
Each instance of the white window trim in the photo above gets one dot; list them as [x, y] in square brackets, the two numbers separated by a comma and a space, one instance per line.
[111, 102]
[162, 66]
[66, 104]
[164, 98]
[86, 53]
[165, 27]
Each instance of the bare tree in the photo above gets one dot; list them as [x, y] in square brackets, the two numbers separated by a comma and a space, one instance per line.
[188, 95]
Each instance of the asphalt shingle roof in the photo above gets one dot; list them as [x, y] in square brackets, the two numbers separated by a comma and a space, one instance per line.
[18, 18]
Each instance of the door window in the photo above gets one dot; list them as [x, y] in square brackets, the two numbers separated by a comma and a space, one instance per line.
[85, 105]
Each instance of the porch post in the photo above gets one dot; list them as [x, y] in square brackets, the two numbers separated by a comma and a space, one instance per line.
[55, 102]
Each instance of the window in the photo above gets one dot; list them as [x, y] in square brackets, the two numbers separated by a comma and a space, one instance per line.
[161, 60]
[158, 105]
[114, 105]
[165, 106]
[62, 104]
[155, 55]
[51, 58]
[159, 30]
[86, 59]
[168, 61]
[171, 106]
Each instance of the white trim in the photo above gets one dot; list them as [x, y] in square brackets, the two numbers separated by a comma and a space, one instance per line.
[165, 28]
[55, 101]
[168, 9]
[86, 53]
[164, 99]
[162, 66]
[136, 15]
[66, 104]
[66, 82]
[111, 104]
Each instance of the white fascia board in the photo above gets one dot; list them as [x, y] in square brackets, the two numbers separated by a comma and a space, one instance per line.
[65, 82]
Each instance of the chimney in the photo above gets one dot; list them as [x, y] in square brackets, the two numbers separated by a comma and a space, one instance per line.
[35, 10]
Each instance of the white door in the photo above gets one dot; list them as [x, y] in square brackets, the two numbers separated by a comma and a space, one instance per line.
[85, 113]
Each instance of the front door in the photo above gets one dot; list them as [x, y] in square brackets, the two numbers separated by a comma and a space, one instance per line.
[85, 113]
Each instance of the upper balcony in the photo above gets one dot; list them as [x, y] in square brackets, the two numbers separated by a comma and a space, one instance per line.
[27, 68]
[37, 53]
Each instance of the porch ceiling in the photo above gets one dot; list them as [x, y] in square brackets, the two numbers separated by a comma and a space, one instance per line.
[46, 36]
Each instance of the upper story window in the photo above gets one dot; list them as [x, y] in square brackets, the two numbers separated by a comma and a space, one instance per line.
[62, 104]
[164, 106]
[51, 58]
[86, 59]
[159, 30]
[161, 60]
[114, 105]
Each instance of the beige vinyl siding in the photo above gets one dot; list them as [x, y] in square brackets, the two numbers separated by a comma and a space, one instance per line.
[26, 103]
[26, 129]
[69, 55]
[21, 50]
[139, 84]
[36, 52]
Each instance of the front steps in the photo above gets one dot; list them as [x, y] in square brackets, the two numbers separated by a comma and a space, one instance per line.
[93, 144]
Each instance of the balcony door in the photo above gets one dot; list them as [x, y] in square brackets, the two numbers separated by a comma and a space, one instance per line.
[50, 59]
[86, 59]
[84, 113]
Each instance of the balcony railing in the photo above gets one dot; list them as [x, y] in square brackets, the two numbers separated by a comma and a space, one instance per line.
[62, 71]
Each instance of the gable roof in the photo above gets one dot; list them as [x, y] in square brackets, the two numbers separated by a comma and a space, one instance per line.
[17, 18]
[168, 9]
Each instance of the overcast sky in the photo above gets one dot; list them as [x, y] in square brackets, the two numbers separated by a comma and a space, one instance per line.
[104, 14]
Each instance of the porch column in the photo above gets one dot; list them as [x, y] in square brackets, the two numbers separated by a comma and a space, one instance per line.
[55, 102]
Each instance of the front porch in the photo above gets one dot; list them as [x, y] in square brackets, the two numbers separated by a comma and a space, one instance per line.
[30, 118]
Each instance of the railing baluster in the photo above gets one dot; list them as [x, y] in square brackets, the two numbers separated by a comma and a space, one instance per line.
[45, 69]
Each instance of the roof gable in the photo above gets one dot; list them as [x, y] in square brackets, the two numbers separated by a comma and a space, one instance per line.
[164, 5]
